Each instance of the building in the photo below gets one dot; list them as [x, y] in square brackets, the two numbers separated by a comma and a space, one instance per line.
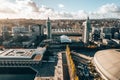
[5, 33]
[65, 39]
[87, 29]
[41, 29]
[102, 35]
[107, 32]
[21, 57]
[26, 36]
[34, 29]
[95, 33]
[49, 33]
[116, 35]
[107, 63]
[37, 30]
[18, 29]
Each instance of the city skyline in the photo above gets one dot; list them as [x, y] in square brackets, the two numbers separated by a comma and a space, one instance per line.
[59, 9]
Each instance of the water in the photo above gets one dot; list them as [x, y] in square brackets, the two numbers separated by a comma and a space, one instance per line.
[17, 76]
[10, 73]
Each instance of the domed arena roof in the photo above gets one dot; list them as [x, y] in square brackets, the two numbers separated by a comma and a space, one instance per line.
[107, 63]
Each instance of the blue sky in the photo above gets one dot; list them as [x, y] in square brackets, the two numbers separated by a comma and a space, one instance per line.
[60, 9]
[75, 5]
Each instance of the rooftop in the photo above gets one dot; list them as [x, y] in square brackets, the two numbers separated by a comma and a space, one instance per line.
[34, 54]
[108, 63]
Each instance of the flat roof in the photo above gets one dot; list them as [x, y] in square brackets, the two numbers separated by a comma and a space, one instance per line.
[34, 54]
[108, 63]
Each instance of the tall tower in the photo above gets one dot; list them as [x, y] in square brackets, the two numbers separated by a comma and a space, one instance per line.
[87, 29]
[48, 24]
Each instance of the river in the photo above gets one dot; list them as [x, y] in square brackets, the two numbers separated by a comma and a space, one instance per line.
[15, 73]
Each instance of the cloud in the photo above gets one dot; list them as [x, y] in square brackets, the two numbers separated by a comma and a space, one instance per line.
[18, 6]
[106, 11]
[28, 5]
[109, 8]
[4, 8]
[61, 6]
[29, 9]
[81, 14]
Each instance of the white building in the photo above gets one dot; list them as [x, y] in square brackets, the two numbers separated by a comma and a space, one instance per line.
[86, 33]
[65, 39]
[23, 57]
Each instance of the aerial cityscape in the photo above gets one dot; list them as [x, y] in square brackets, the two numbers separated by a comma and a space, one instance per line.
[59, 40]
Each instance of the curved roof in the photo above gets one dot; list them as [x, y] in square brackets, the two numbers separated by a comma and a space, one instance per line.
[108, 63]
[65, 38]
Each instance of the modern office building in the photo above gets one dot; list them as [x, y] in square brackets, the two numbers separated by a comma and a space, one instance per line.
[21, 57]
[107, 32]
[49, 33]
[87, 29]
[107, 63]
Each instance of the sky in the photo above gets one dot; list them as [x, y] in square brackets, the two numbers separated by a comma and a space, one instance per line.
[59, 9]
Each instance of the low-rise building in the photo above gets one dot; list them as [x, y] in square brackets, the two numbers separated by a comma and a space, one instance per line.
[21, 57]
